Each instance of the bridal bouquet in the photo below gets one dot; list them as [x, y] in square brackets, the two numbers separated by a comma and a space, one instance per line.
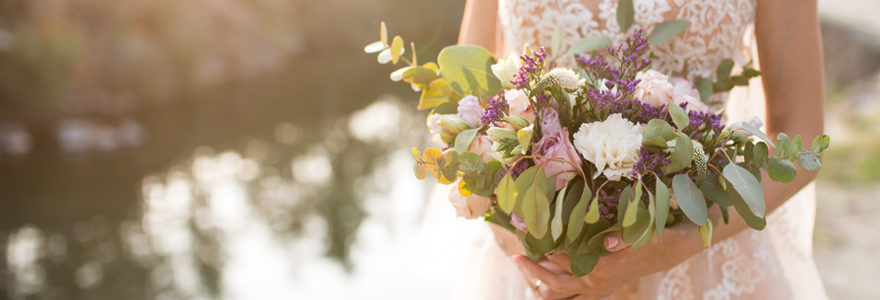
[564, 156]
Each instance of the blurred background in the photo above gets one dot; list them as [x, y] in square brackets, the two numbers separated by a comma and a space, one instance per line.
[201, 149]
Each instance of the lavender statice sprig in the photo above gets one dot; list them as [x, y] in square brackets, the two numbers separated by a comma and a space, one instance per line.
[496, 109]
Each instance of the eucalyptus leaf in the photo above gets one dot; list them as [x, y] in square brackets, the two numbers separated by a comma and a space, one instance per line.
[536, 247]
[588, 44]
[467, 69]
[583, 263]
[629, 217]
[747, 187]
[820, 143]
[682, 155]
[506, 193]
[556, 41]
[536, 210]
[704, 86]
[760, 154]
[464, 138]
[623, 202]
[556, 222]
[724, 68]
[679, 117]
[419, 75]
[576, 220]
[809, 161]
[706, 233]
[434, 95]
[781, 170]
[745, 212]
[383, 33]
[657, 132]
[751, 129]
[470, 162]
[625, 14]
[666, 31]
[713, 191]
[690, 199]
[662, 197]
[796, 146]
[397, 48]
[642, 223]
[783, 143]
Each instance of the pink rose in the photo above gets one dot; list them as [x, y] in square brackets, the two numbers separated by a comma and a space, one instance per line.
[470, 207]
[550, 122]
[558, 146]
[654, 88]
[482, 146]
[684, 92]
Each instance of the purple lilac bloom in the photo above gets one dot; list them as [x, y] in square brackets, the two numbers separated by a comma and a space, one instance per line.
[496, 109]
[607, 204]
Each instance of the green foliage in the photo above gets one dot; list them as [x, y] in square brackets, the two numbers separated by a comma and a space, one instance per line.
[745, 211]
[781, 169]
[714, 191]
[657, 133]
[681, 156]
[690, 199]
[583, 263]
[588, 44]
[662, 201]
[632, 234]
[534, 203]
[704, 86]
[397, 49]
[706, 233]
[556, 41]
[679, 117]
[751, 129]
[625, 14]
[467, 69]
[464, 138]
[556, 222]
[507, 193]
[666, 31]
[576, 220]
[724, 68]
[747, 188]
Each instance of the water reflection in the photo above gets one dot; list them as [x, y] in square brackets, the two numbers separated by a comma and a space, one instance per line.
[275, 216]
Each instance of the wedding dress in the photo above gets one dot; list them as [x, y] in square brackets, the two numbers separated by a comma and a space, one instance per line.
[775, 263]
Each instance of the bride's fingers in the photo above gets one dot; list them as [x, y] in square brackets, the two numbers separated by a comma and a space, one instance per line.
[614, 242]
[561, 260]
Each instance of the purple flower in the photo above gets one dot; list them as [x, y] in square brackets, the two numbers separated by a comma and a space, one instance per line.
[496, 109]
[559, 158]
[518, 223]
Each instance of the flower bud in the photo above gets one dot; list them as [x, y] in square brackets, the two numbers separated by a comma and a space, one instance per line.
[516, 121]
[498, 133]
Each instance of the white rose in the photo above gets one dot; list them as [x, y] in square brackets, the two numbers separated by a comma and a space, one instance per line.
[469, 110]
[470, 207]
[505, 69]
[654, 88]
[518, 102]
[566, 78]
[612, 145]
[482, 146]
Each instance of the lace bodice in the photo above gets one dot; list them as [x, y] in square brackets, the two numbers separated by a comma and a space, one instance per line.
[716, 28]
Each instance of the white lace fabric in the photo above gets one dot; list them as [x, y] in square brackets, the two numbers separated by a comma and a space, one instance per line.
[775, 263]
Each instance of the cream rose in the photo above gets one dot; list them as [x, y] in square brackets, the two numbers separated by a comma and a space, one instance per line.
[611, 145]
[470, 207]
[505, 69]
[518, 102]
[654, 88]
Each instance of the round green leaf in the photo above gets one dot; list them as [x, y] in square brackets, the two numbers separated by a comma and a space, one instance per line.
[467, 69]
[781, 170]
[690, 199]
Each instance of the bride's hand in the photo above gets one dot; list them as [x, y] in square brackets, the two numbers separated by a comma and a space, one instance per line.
[554, 279]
